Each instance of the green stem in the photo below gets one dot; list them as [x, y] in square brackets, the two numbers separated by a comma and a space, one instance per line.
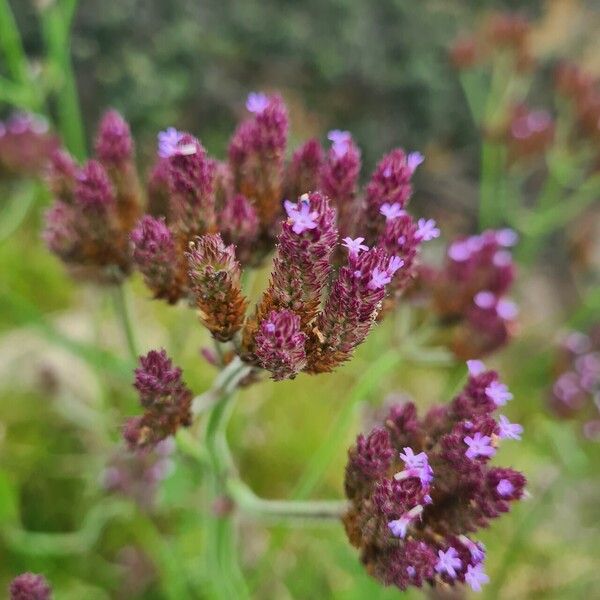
[490, 207]
[11, 44]
[252, 504]
[121, 306]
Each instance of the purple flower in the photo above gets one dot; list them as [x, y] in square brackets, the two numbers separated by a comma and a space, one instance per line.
[168, 143]
[505, 487]
[114, 145]
[395, 263]
[30, 586]
[448, 562]
[507, 237]
[485, 299]
[355, 246]
[459, 251]
[479, 445]
[340, 142]
[427, 230]
[508, 430]
[379, 279]
[257, 102]
[507, 309]
[391, 211]
[498, 393]
[413, 160]
[475, 367]
[300, 215]
[399, 526]
[417, 465]
[476, 577]
[412, 460]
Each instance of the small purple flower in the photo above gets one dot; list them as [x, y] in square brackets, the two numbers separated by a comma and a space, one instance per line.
[459, 251]
[477, 549]
[498, 393]
[412, 460]
[505, 487]
[340, 142]
[427, 230]
[379, 278]
[413, 160]
[485, 299]
[391, 211]
[398, 527]
[502, 258]
[476, 577]
[475, 367]
[507, 309]
[30, 586]
[507, 237]
[257, 102]
[301, 216]
[169, 144]
[448, 562]
[479, 445]
[508, 430]
[355, 246]
[395, 263]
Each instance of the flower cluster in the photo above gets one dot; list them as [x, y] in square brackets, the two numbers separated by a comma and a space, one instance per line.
[30, 586]
[138, 475]
[95, 206]
[502, 33]
[419, 486]
[165, 398]
[337, 252]
[576, 389]
[26, 144]
[469, 292]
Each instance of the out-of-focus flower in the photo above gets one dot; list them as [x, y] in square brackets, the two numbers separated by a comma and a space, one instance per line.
[26, 144]
[419, 487]
[529, 133]
[95, 206]
[165, 398]
[575, 393]
[469, 292]
[30, 586]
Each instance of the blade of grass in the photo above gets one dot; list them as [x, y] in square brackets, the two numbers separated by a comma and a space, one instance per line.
[12, 45]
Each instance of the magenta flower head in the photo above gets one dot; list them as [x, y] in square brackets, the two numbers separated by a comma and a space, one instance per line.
[214, 274]
[575, 391]
[350, 310]
[61, 175]
[165, 398]
[114, 145]
[239, 225]
[419, 487]
[390, 185]
[256, 156]
[339, 178]
[191, 178]
[302, 264]
[30, 586]
[303, 174]
[155, 256]
[280, 344]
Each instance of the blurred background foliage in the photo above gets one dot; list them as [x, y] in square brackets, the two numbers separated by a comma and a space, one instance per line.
[378, 68]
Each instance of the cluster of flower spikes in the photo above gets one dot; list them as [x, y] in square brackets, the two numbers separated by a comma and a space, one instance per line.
[582, 90]
[501, 33]
[468, 292]
[576, 389]
[30, 586]
[181, 255]
[26, 145]
[419, 487]
[95, 205]
[166, 401]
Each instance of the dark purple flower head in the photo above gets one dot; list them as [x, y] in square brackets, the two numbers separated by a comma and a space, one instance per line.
[154, 254]
[114, 145]
[339, 178]
[94, 191]
[280, 345]
[30, 586]
[417, 493]
[61, 175]
[304, 169]
[60, 233]
[165, 398]
[240, 226]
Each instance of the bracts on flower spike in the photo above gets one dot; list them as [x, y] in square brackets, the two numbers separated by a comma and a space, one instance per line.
[165, 398]
[214, 275]
[419, 487]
